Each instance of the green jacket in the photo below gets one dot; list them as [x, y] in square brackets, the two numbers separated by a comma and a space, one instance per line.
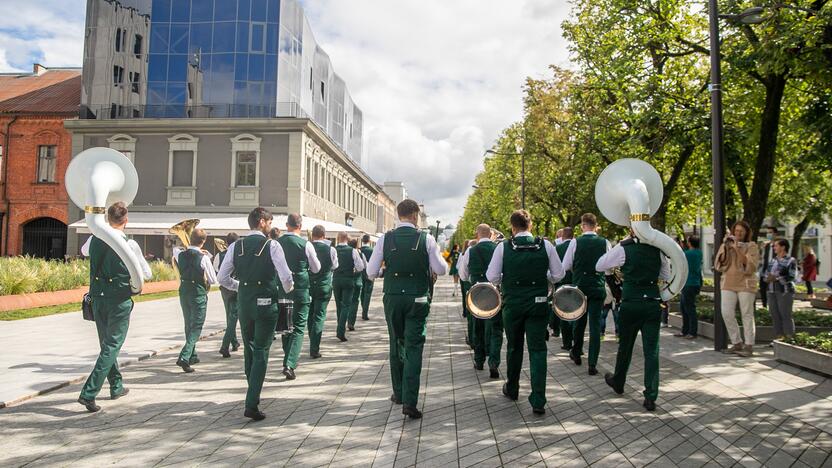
[294, 247]
[641, 271]
[254, 270]
[407, 266]
[346, 264]
[324, 276]
[109, 276]
[191, 277]
[479, 256]
[525, 265]
[588, 249]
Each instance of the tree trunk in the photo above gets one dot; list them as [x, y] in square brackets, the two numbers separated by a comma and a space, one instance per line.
[755, 209]
[660, 218]
[798, 236]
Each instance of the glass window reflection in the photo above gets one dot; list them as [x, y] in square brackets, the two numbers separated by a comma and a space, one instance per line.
[180, 11]
[161, 11]
[224, 37]
[225, 10]
[179, 38]
[203, 11]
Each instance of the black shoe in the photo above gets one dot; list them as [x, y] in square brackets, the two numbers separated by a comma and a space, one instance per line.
[351, 328]
[342, 338]
[185, 366]
[123, 393]
[576, 358]
[479, 366]
[255, 414]
[566, 348]
[608, 378]
[412, 412]
[289, 373]
[539, 411]
[507, 394]
[225, 353]
[315, 355]
[396, 400]
[649, 404]
[365, 318]
[547, 335]
[89, 405]
[493, 373]
[235, 347]
[592, 370]
[193, 361]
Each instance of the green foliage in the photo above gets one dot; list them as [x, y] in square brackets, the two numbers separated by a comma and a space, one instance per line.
[762, 317]
[820, 342]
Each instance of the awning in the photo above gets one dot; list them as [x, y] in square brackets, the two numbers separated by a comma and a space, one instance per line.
[215, 224]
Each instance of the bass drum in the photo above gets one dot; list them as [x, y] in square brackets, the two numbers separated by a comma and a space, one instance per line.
[285, 308]
[569, 303]
[483, 300]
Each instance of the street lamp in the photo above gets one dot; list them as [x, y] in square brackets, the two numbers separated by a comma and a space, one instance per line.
[752, 15]
[437, 229]
[522, 173]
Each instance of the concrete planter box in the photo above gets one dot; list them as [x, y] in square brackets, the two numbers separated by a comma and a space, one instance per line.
[44, 299]
[821, 304]
[761, 335]
[802, 357]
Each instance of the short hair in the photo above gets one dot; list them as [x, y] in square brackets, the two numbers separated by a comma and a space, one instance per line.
[589, 219]
[567, 233]
[693, 241]
[231, 238]
[521, 219]
[294, 220]
[559, 233]
[318, 232]
[483, 230]
[198, 236]
[745, 226]
[365, 239]
[353, 243]
[772, 228]
[258, 214]
[407, 208]
[783, 242]
[274, 233]
[117, 213]
[343, 237]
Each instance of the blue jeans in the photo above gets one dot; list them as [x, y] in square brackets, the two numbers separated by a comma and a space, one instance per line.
[605, 312]
[690, 322]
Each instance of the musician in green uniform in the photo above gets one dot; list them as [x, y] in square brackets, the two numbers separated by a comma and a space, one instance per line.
[558, 326]
[196, 275]
[464, 285]
[229, 301]
[410, 257]
[111, 304]
[257, 264]
[343, 282]
[320, 287]
[302, 259]
[358, 282]
[488, 333]
[580, 259]
[524, 264]
[366, 284]
[642, 265]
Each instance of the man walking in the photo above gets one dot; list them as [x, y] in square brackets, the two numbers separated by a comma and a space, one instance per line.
[229, 301]
[343, 282]
[367, 283]
[320, 286]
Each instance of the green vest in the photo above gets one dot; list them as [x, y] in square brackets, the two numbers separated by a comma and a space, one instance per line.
[406, 259]
[324, 276]
[222, 256]
[561, 250]
[524, 271]
[641, 272]
[254, 270]
[191, 276]
[294, 247]
[588, 249]
[109, 276]
[346, 265]
[479, 256]
[367, 251]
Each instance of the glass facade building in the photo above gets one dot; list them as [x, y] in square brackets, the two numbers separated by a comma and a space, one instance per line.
[212, 59]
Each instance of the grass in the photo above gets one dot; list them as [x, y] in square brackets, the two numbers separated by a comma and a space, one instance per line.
[21, 314]
[820, 342]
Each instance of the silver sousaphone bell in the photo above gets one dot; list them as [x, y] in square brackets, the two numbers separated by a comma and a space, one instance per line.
[569, 303]
[483, 300]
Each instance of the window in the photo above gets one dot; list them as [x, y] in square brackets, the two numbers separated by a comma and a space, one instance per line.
[46, 163]
[118, 75]
[118, 40]
[183, 169]
[257, 38]
[311, 81]
[135, 79]
[137, 46]
[323, 91]
[246, 169]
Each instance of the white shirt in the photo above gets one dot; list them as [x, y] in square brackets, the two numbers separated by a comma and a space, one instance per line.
[437, 264]
[569, 256]
[278, 260]
[311, 255]
[206, 265]
[134, 246]
[357, 259]
[462, 264]
[617, 257]
[495, 268]
[333, 254]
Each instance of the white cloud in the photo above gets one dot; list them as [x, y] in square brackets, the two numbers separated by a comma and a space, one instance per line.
[46, 31]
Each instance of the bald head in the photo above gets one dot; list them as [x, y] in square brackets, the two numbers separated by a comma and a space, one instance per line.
[483, 231]
[343, 237]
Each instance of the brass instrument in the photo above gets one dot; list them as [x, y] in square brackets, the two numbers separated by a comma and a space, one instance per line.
[483, 300]
[220, 245]
[569, 303]
[183, 230]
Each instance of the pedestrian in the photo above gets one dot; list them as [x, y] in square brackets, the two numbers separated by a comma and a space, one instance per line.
[690, 292]
[454, 259]
[737, 260]
[810, 270]
[781, 273]
[771, 234]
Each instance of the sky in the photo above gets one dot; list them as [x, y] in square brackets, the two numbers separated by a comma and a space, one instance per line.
[437, 80]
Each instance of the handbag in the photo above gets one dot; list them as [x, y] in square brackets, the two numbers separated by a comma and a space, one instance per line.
[86, 302]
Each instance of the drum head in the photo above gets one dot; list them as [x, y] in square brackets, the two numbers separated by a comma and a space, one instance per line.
[569, 303]
[483, 300]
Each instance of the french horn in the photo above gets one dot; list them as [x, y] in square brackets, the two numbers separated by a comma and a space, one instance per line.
[183, 229]
[628, 193]
[483, 300]
[220, 245]
[95, 179]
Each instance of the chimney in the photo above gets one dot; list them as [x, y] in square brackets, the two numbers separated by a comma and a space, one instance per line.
[39, 69]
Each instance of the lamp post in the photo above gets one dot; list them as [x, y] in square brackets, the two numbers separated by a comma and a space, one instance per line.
[437, 229]
[522, 173]
[752, 15]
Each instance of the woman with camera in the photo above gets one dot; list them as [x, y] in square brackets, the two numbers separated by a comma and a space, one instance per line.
[737, 260]
[781, 272]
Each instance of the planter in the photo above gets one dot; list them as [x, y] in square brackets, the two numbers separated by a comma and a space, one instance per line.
[821, 304]
[802, 357]
[45, 299]
[762, 334]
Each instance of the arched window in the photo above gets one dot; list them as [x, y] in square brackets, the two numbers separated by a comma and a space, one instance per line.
[182, 164]
[245, 170]
[125, 144]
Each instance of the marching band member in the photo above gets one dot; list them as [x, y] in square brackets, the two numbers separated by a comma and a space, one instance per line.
[229, 301]
[558, 326]
[642, 265]
[366, 283]
[320, 286]
[464, 286]
[521, 264]
[560, 237]
[357, 283]
[112, 304]
[488, 334]
[410, 256]
[343, 282]
[258, 263]
[196, 275]
[302, 259]
[581, 258]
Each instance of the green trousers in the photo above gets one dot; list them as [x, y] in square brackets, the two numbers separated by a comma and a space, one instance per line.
[644, 317]
[343, 289]
[406, 326]
[356, 302]
[229, 300]
[321, 296]
[562, 328]
[469, 320]
[593, 316]
[366, 296]
[112, 318]
[527, 321]
[293, 342]
[257, 325]
[193, 311]
[488, 340]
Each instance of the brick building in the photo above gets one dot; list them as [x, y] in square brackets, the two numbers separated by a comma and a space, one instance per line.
[35, 151]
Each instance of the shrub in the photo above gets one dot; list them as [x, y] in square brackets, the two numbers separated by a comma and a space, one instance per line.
[820, 342]
[762, 317]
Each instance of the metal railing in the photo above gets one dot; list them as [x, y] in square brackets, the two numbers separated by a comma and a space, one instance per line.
[205, 111]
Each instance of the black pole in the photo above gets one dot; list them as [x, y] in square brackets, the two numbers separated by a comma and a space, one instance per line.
[437, 229]
[720, 334]
[523, 180]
